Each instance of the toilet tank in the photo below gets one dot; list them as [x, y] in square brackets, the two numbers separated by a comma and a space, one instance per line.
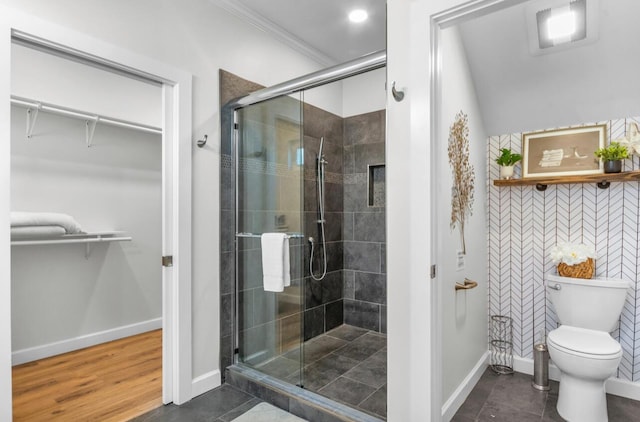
[594, 303]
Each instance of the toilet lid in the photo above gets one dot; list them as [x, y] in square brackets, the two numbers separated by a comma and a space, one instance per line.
[585, 341]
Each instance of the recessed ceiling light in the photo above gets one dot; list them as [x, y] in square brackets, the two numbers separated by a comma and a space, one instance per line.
[562, 25]
[358, 15]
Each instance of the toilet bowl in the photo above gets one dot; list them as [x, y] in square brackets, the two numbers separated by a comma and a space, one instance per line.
[581, 347]
[586, 358]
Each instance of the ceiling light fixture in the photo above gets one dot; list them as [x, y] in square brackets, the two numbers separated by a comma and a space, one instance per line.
[564, 24]
[561, 25]
[358, 15]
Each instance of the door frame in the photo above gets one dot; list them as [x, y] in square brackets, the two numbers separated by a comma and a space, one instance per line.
[176, 185]
[414, 308]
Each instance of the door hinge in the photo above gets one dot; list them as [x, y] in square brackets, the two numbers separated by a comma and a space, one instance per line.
[433, 271]
[235, 126]
[167, 261]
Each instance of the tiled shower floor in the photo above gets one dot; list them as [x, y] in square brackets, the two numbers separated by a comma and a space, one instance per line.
[347, 364]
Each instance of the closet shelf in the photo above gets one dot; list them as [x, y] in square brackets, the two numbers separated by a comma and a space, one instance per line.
[95, 237]
[603, 180]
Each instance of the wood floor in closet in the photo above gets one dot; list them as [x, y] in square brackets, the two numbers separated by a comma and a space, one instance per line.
[114, 381]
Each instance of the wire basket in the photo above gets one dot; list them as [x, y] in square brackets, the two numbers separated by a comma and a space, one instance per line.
[501, 360]
[582, 270]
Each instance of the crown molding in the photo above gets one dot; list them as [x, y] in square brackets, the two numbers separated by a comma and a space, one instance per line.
[238, 9]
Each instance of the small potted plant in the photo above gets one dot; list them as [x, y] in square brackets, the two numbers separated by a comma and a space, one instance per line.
[506, 160]
[612, 157]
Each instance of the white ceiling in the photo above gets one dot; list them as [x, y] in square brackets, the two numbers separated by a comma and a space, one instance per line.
[519, 91]
[318, 28]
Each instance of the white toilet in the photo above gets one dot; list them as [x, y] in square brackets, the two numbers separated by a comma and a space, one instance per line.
[581, 347]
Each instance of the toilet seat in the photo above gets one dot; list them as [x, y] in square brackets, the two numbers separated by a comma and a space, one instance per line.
[583, 342]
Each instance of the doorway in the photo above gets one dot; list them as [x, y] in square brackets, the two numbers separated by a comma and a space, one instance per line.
[176, 192]
[92, 151]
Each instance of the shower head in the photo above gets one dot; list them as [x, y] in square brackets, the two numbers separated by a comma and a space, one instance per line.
[321, 147]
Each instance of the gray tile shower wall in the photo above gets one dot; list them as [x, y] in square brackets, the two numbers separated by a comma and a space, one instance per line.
[365, 281]
[323, 301]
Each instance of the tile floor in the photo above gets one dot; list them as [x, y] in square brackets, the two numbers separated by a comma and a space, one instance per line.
[496, 398]
[222, 404]
[347, 364]
[509, 398]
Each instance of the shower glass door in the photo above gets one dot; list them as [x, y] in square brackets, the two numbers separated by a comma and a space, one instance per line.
[270, 171]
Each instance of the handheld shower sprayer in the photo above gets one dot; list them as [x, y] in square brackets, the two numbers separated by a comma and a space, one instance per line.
[321, 163]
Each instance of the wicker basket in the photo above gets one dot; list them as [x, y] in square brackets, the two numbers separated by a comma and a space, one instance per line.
[582, 270]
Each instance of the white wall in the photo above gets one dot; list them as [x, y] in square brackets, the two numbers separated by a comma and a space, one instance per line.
[58, 295]
[326, 97]
[200, 38]
[48, 78]
[464, 313]
[364, 93]
[356, 95]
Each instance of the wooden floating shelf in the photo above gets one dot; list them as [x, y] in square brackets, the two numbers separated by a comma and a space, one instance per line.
[603, 180]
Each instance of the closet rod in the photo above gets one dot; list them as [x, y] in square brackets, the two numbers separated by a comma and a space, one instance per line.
[79, 114]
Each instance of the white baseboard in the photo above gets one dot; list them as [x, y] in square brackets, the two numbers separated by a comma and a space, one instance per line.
[205, 382]
[46, 350]
[453, 403]
[615, 386]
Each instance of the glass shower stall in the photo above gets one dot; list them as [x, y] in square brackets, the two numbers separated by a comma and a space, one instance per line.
[294, 168]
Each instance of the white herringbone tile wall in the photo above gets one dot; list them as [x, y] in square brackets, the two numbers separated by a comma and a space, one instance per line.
[523, 224]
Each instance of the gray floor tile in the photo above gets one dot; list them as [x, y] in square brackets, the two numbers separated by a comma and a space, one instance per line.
[206, 407]
[511, 398]
[550, 412]
[326, 370]
[516, 392]
[363, 347]
[229, 416]
[461, 418]
[501, 413]
[376, 403]
[347, 391]
[371, 372]
[217, 402]
[317, 348]
[479, 395]
[162, 413]
[280, 367]
[347, 332]
[621, 409]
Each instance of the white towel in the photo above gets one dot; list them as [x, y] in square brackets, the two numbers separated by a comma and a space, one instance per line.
[36, 232]
[276, 273]
[23, 219]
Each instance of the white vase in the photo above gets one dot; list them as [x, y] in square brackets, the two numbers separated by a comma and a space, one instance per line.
[506, 172]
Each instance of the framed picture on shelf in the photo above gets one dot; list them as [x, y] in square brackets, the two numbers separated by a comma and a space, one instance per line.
[563, 152]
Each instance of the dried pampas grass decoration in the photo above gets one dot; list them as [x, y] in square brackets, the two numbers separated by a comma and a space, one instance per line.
[463, 175]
